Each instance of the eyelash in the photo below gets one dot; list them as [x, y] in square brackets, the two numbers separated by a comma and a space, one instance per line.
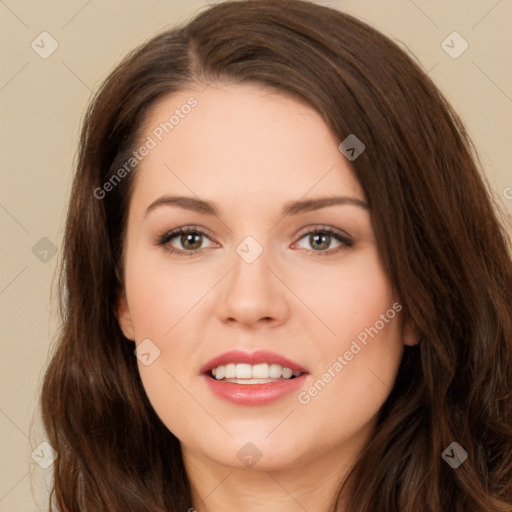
[164, 240]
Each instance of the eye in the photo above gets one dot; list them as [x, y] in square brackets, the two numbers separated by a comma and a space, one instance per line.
[320, 241]
[187, 241]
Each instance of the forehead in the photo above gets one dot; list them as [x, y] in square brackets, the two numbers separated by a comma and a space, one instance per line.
[242, 143]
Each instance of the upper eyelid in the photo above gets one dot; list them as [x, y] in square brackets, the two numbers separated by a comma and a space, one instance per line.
[320, 227]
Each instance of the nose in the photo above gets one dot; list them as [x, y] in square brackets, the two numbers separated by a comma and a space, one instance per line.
[252, 295]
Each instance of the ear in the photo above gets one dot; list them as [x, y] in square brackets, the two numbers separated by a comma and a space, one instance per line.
[410, 332]
[123, 316]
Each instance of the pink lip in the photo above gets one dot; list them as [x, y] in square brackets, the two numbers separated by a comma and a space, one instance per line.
[260, 356]
[254, 394]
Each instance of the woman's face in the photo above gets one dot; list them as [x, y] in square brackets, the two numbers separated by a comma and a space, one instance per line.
[268, 266]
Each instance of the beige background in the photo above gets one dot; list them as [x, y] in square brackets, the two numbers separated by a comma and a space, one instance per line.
[43, 100]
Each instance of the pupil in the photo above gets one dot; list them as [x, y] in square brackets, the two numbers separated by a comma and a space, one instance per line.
[322, 239]
[187, 240]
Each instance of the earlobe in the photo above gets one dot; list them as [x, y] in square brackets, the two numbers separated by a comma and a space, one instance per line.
[124, 317]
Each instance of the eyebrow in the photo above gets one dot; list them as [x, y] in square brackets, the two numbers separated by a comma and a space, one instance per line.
[290, 208]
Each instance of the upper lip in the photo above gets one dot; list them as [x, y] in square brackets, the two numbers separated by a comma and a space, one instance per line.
[252, 358]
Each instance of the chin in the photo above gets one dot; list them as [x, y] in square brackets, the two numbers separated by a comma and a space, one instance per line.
[254, 453]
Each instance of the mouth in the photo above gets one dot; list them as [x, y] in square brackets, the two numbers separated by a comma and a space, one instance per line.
[256, 378]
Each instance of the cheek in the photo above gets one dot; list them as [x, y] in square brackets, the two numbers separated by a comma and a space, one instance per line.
[347, 299]
[161, 294]
[359, 346]
[162, 306]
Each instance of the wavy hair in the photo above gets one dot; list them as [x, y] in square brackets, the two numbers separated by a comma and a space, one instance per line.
[443, 246]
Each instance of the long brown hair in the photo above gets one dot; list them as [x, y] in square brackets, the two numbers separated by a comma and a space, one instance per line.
[438, 235]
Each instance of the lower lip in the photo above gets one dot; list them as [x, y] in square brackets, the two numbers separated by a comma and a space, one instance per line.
[254, 394]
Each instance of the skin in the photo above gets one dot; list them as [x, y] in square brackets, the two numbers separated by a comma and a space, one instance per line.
[251, 150]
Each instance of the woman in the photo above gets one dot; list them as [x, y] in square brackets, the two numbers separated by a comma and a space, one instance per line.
[284, 285]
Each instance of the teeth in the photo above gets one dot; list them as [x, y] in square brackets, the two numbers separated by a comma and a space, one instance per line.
[230, 371]
[287, 373]
[264, 372]
[243, 371]
[260, 371]
[275, 371]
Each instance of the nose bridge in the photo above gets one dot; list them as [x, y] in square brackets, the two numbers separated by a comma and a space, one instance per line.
[252, 292]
